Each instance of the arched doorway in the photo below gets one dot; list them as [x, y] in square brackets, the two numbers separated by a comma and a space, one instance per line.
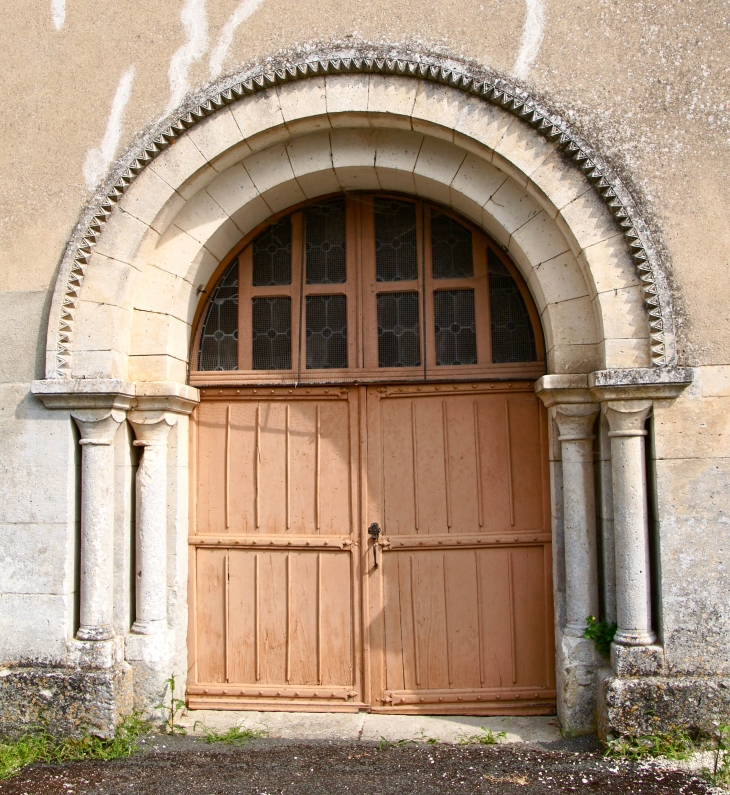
[371, 520]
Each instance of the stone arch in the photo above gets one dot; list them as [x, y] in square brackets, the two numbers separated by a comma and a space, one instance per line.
[129, 281]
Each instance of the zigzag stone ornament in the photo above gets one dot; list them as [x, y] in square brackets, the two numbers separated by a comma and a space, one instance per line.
[494, 90]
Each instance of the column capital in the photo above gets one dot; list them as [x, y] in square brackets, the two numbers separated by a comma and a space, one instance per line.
[84, 393]
[151, 427]
[563, 389]
[627, 417]
[648, 383]
[98, 426]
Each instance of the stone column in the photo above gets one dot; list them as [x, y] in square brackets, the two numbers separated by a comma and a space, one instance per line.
[575, 423]
[98, 428]
[633, 588]
[151, 429]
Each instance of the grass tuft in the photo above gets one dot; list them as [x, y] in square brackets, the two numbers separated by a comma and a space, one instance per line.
[674, 744]
[40, 746]
[487, 737]
[234, 736]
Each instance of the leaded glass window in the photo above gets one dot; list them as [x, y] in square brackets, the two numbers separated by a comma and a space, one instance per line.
[367, 288]
[326, 332]
[324, 229]
[513, 339]
[219, 338]
[399, 341]
[396, 255]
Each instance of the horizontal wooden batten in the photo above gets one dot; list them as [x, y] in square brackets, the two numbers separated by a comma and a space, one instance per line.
[259, 705]
[528, 371]
[462, 541]
[497, 708]
[283, 692]
[466, 696]
[284, 541]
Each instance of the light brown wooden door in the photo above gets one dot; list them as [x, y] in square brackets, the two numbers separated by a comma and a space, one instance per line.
[460, 605]
[288, 610]
[274, 569]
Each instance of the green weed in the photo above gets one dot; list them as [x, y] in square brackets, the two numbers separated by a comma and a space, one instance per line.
[602, 633]
[674, 744]
[40, 746]
[385, 744]
[234, 736]
[719, 776]
[487, 737]
[172, 711]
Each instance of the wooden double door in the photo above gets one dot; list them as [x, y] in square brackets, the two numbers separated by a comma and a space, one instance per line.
[294, 605]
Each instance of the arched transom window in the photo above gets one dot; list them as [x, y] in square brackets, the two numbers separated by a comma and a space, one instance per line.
[366, 288]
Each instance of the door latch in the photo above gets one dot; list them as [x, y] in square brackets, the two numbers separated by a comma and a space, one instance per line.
[374, 533]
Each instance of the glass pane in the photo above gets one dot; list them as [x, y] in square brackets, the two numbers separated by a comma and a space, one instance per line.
[272, 255]
[456, 338]
[399, 343]
[324, 229]
[326, 332]
[396, 257]
[219, 339]
[271, 327]
[513, 339]
[451, 250]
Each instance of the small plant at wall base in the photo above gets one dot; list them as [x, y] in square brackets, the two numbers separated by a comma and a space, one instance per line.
[172, 711]
[602, 633]
[719, 776]
[674, 744]
[40, 746]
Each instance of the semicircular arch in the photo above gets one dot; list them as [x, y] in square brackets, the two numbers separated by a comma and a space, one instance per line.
[128, 289]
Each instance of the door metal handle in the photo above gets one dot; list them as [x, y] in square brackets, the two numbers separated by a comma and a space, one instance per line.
[374, 533]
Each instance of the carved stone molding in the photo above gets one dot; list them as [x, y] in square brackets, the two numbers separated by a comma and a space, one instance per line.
[456, 75]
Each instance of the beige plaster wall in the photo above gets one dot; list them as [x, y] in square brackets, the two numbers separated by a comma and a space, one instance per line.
[645, 82]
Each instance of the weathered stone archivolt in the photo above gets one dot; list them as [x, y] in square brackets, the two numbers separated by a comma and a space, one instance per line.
[608, 185]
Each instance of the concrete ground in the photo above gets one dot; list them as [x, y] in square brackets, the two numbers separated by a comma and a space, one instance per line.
[365, 727]
[344, 754]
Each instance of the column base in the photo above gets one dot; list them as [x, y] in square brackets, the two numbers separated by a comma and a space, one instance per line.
[577, 672]
[651, 704]
[628, 637]
[95, 632]
[64, 701]
[156, 627]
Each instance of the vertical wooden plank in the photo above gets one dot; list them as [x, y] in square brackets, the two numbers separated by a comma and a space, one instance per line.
[257, 468]
[211, 615]
[509, 464]
[478, 462]
[449, 669]
[317, 453]
[227, 632]
[416, 655]
[192, 617]
[287, 474]
[227, 474]
[480, 624]
[414, 458]
[447, 461]
[257, 617]
[288, 617]
[510, 577]
[319, 618]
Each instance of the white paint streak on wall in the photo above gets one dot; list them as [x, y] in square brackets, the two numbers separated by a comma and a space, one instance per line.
[98, 160]
[58, 13]
[195, 22]
[225, 39]
[532, 35]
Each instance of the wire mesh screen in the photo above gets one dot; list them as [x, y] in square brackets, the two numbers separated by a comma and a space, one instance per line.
[396, 257]
[219, 338]
[513, 339]
[271, 327]
[324, 229]
[272, 255]
[451, 248]
[326, 332]
[454, 318]
[399, 339]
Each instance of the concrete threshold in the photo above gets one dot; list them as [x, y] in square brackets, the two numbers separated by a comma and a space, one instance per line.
[366, 727]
